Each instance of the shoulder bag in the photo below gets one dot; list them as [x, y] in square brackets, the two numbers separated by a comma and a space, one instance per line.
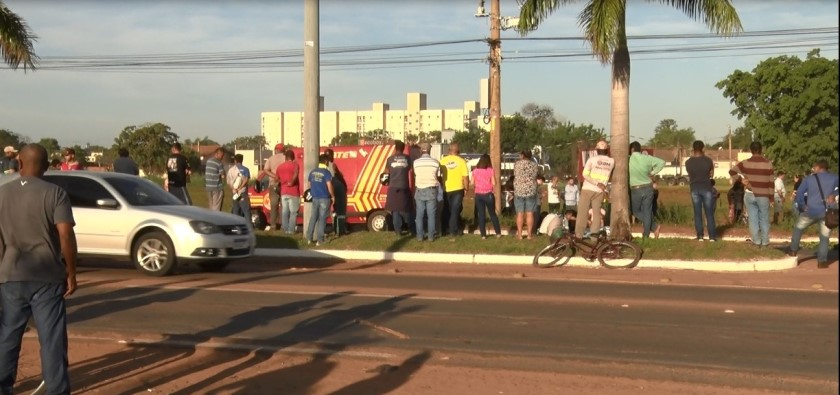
[831, 213]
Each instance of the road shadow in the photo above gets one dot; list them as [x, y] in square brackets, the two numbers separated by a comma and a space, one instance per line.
[138, 368]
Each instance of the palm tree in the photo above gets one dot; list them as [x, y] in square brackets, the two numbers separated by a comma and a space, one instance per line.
[603, 24]
[16, 40]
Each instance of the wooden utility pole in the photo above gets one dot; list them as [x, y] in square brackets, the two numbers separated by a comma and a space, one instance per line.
[311, 93]
[495, 60]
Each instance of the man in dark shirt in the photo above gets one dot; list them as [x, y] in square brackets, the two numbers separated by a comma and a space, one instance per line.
[700, 169]
[37, 270]
[124, 164]
[398, 199]
[177, 174]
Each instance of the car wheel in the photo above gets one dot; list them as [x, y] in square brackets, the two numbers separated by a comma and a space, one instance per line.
[213, 266]
[153, 254]
[378, 221]
[258, 219]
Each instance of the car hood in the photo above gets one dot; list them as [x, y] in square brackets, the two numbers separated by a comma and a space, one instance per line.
[199, 214]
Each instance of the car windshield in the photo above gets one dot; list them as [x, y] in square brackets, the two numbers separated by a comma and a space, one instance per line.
[141, 192]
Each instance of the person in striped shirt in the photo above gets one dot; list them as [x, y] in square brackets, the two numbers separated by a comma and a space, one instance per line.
[214, 175]
[756, 173]
[426, 186]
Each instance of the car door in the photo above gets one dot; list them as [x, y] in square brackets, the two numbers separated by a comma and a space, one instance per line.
[98, 229]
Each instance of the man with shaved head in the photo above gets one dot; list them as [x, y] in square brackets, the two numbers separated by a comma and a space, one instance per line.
[37, 270]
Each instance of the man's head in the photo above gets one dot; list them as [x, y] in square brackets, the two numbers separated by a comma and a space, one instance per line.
[324, 158]
[9, 151]
[454, 149]
[33, 160]
[69, 154]
[635, 147]
[820, 166]
[399, 146]
[602, 148]
[780, 174]
[330, 154]
[238, 158]
[289, 154]
[698, 146]
[123, 153]
[570, 181]
[219, 153]
[755, 148]
[279, 148]
[175, 148]
[425, 147]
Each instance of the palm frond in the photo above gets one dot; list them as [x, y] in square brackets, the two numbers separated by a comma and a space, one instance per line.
[533, 12]
[16, 40]
[603, 23]
[719, 15]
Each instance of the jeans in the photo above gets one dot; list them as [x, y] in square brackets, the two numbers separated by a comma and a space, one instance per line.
[455, 201]
[758, 210]
[641, 204]
[45, 303]
[274, 204]
[487, 202]
[242, 207]
[803, 222]
[398, 218]
[704, 201]
[291, 206]
[425, 200]
[318, 219]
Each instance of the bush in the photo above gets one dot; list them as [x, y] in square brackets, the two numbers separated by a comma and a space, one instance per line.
[675, 214]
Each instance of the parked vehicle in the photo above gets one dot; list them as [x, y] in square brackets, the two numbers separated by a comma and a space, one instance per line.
[124, 215]
[361, 166]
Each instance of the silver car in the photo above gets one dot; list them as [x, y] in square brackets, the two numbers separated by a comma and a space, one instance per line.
[124, 215]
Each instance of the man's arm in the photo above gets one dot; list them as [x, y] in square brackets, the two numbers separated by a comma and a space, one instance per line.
[69, 250]
[657, 164]
[330, 189]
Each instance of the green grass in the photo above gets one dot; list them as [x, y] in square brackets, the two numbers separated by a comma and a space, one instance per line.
[661, 249]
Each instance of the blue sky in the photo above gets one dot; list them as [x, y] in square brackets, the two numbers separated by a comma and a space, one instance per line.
[93, 106]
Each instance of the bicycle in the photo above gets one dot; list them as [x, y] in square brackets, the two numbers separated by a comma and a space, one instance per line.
[612, 254]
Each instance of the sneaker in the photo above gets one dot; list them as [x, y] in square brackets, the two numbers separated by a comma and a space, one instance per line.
[267, 228]
[712, 240]
[483, 237]
[699, 239]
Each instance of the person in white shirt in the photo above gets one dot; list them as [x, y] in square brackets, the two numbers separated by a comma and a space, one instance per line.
[779, 197]
[571, 193]
[554, 195]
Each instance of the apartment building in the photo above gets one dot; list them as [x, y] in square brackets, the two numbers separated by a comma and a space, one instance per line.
[287, 127]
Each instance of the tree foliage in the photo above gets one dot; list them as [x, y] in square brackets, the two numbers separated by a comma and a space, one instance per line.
[51, 145]
[246, 143]
[668, 135]
[16, 40]
[345, 138]
[792, 106]
[148, 144]
[10, 138]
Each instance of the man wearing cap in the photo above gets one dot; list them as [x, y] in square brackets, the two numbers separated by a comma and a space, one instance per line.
[270, 170]
[9, 163]
[596, 175]
[426, 183]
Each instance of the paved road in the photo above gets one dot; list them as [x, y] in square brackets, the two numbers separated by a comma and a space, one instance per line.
[731, 335]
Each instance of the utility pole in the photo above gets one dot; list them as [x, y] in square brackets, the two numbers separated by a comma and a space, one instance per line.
[311, 93]
[729, 136]
[495, 59]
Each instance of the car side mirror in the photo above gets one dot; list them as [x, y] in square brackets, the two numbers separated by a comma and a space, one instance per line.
[107, 203]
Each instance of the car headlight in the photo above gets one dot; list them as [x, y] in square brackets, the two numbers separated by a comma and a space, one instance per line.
[204, 227]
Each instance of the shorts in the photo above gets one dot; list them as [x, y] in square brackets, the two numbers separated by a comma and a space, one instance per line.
[525, 203]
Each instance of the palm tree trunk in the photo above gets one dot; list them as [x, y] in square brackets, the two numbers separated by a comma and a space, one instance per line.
[620, 139]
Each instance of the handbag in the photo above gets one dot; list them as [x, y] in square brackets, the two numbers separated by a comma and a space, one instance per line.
[831, 213]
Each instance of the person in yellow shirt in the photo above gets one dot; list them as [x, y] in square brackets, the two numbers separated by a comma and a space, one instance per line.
[456, 180]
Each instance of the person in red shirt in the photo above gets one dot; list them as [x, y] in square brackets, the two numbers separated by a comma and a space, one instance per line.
[287, 179]
[70, 162]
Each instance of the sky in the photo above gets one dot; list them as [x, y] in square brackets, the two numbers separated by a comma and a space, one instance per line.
[670, 77]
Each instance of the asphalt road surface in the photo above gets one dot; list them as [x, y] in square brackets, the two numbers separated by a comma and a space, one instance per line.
[746, 337]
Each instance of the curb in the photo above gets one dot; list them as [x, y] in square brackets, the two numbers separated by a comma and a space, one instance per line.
[484, 259]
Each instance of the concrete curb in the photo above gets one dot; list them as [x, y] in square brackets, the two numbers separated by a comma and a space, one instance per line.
[484, 259]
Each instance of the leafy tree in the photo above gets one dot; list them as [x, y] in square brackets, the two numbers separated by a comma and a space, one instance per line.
[16, 40]
[604, 26]
[377, 136]
[474, 140]
[246, 143]
[668, 135]
[792, 106]
[8, 137]
[741, 139]
[51, 145]
[543, 115]
[148, 144]
[345, 138]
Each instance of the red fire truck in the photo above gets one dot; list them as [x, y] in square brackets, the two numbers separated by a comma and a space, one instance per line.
[361, 166]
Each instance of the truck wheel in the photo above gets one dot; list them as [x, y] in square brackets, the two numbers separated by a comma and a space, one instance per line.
[153, 254]
[378, 221]
[672, 182]
[258, 219]
[683, 182]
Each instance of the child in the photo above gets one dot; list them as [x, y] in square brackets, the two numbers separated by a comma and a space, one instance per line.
[735, 196]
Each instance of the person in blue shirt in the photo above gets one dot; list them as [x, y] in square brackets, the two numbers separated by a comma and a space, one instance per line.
[821, 190]
[321, 189]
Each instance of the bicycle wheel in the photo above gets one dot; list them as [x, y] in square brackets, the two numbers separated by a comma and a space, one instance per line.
[555, 254]
[619, 255]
